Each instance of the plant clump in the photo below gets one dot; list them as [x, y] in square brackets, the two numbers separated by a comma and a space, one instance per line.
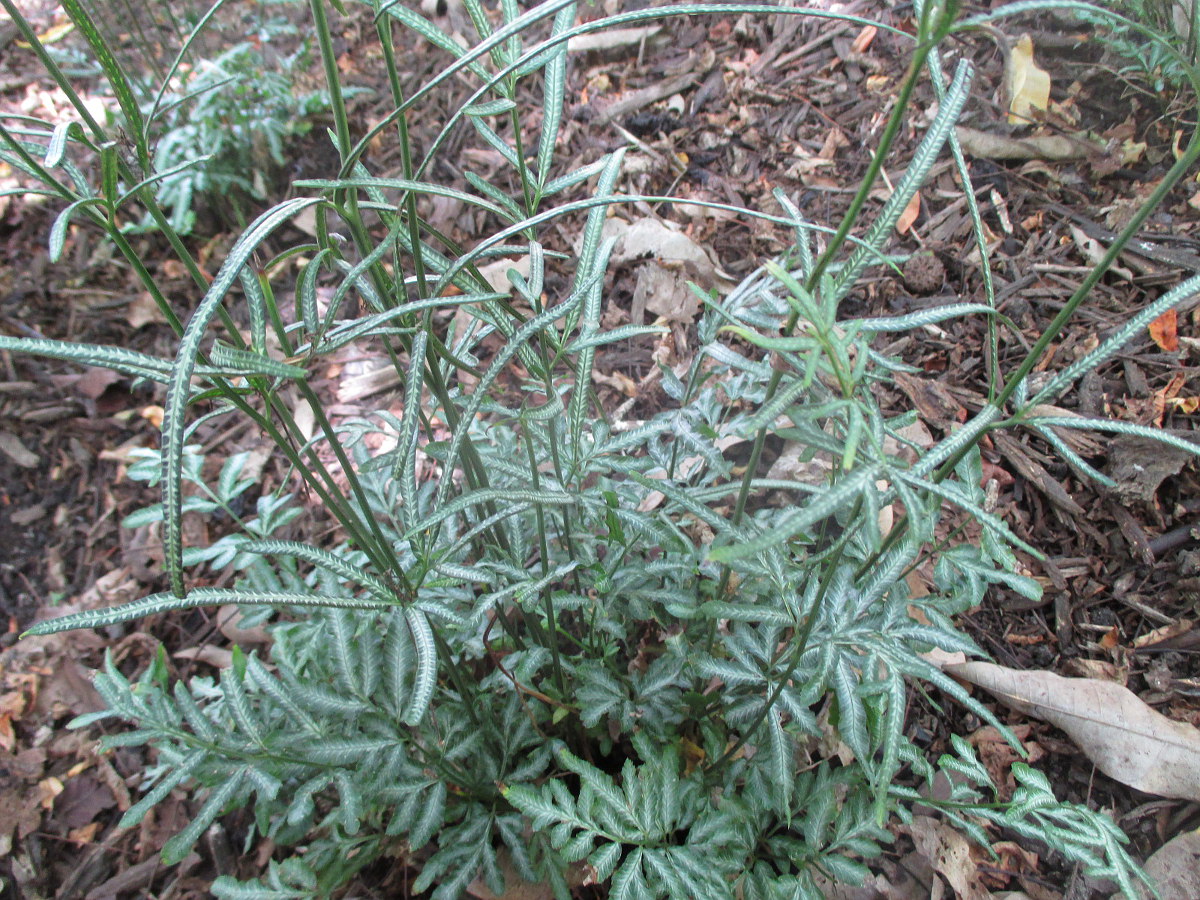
[545, 638]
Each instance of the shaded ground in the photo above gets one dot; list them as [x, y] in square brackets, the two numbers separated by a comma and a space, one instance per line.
[719, 109]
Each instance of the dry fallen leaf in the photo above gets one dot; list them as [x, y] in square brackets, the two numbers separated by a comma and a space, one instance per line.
[95, 381]
[669, 260]
[950, 855]
[217, 657]
[1125, 738]
[153, 414]
[1027, 86]
[516, 888]
[864, 38]
[229, 621]
[1175, 867]
[911, 211]
[1163, 331]
[142, 310]
[48, 789]
[84, 835]
[11, 447]
[51, 35]
[496, 273]
[1093, 251]
[612, 38]
[1132, 151]
[1042, 146]
[834, 141]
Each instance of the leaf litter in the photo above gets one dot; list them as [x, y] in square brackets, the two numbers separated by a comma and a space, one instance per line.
[791, 106]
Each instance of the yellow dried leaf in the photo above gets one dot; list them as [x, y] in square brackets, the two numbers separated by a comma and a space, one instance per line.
[51, 35]
[84, 835]
[48, 789]
[863, 41]
[1028, 86]
[1132, 151]
[153, 415]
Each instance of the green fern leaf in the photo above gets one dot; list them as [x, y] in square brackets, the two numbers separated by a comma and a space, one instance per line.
[180, 845]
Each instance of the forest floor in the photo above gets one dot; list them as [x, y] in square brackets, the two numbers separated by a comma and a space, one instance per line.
[720, 109]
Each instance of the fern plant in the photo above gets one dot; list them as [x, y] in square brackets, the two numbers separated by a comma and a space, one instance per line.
[585, 642]
[223, 134]
[223, 118]
[1153, 40]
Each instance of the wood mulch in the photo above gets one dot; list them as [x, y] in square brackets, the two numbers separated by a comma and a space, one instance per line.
[716, 109]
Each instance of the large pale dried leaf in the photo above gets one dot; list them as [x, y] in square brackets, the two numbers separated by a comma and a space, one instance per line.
[142, 310]
[950, 855]
[82, 801]
[366, 378]
[217, 657]
[656, 239]
[1181, 18]
[496, 273]
[986, 145]
[306, 418]
[229, 621]
[664, 293]
[95, 381]
[874, 887]
[516, 888]
[1175, 868]
[672, 260]
[1125, 738]
[611, 38]
[1028, 86]
[796, 462]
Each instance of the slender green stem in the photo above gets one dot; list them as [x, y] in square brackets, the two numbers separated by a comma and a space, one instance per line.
[56, 74]
[472, 465]
[384, 28]
[899, 111]
[114, 233]
[146, 195]
[333, 82]
[147, 280]
[522, 169]
[324, 487]
[463, 684]
[149, 57]
[935, 24]
[933, 32]
[547, 591]
[796, 648]
[1182, 167]
[385, 549]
